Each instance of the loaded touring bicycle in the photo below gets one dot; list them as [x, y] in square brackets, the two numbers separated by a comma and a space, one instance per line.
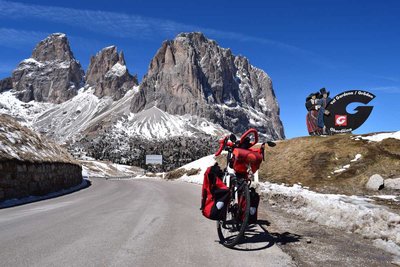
[226, 194]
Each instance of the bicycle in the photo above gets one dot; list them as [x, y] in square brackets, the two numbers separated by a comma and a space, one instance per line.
[242, 162]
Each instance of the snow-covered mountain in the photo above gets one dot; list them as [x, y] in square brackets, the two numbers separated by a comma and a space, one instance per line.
[86, 113]
[194, 92]
[153, 123]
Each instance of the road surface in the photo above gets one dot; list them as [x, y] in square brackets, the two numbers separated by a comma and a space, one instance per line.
[125, 223]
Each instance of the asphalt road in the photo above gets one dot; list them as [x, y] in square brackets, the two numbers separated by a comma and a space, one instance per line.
[125, 223]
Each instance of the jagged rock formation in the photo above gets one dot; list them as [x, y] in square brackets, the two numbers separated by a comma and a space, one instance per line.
[52, 74]
[6, 83]
[108, 74]
[193, 75]
[194, 92]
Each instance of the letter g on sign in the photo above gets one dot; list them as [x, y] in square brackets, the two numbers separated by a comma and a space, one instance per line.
[340, 120]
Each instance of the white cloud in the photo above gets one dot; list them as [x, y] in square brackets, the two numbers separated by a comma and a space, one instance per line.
[14, 38]
[108, 23]
[387, 89]
[124, 25]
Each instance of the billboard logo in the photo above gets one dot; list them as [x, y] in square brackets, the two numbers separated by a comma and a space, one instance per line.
[340, 120]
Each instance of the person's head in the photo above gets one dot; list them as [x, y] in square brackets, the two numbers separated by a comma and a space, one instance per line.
[324, 93]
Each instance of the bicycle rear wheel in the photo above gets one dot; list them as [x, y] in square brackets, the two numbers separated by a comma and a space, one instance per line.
[232, 228]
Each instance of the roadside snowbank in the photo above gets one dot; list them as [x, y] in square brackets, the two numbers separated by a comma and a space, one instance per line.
[349, 213]
[201, 164]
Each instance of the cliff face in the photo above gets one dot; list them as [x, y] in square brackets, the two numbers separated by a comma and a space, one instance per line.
[193, 75]
[5, 84]
[52, 74]
[108, 74]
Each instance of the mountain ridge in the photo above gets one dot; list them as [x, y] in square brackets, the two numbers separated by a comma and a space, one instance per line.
[212, 93]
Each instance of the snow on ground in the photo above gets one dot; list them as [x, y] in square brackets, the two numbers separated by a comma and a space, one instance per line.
[347, 166]
[201, 164]
[387, 197]
[380, 137]
[68, 119]
[155, 123]
[356, 158]
[94, 168]
[344, 168]
[25, 113]
[348, 213]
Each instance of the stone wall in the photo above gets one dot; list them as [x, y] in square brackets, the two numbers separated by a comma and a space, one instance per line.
[20, 179]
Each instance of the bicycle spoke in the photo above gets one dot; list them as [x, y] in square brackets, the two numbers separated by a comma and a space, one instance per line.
[231, 229]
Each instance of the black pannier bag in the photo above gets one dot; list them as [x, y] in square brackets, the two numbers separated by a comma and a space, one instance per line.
[254, 201]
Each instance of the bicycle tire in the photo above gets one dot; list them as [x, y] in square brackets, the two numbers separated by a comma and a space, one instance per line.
[231, 243]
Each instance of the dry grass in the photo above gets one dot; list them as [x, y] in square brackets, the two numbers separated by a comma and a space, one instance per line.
[311, 161]
[18, 142]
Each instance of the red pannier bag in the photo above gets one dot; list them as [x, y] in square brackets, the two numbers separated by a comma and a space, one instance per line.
[215, 194]
[244, 157]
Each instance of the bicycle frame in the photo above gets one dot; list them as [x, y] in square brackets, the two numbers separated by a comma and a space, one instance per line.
[230, 174]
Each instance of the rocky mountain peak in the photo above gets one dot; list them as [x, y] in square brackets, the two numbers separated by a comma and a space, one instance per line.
[54, 47]
[108, 74]
[194, 75]
[52, 74]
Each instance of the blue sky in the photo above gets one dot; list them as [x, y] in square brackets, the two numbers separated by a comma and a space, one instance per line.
[303, 45]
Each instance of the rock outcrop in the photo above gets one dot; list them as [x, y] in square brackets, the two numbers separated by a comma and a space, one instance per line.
[108, 74]
[6, 83]
[31, 164]
[375, 182]
[52, 74]
[193, 75]
[392, 183]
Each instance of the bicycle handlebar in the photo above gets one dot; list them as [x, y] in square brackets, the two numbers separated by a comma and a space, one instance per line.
[222, 144]
[248, 133]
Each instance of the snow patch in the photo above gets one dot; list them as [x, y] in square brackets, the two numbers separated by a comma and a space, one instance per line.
[342, 169]
[202, 164]
[263, 104]
[356, 158]
[155, 123]
[116, 70]
[380, 137]
[31, 61]
[387, 197]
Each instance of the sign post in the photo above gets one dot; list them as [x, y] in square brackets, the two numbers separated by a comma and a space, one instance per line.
[153, 159]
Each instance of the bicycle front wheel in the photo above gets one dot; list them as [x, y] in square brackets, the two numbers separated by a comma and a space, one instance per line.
[232, 228]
